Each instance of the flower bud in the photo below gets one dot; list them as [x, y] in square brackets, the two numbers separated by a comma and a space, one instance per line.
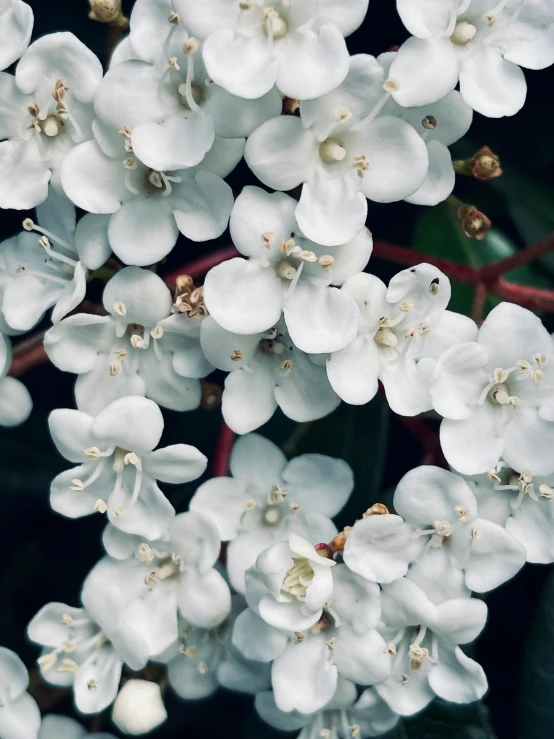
[474, 223]
[107, 11]
[485, 164]
[139, 708]
[291, 106]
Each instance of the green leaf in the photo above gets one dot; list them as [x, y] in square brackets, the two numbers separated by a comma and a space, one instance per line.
[438, 234]
[536, 710]
[444, 720]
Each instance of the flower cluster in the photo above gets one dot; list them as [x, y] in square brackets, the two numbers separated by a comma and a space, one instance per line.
[253, 588]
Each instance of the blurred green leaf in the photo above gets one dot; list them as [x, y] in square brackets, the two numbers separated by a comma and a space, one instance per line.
[536, 710]
[449, 721]
[438, 234]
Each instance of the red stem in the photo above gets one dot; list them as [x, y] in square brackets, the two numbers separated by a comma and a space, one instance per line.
[529, 254]
[533, 298]
[223, 448]
[409, 258]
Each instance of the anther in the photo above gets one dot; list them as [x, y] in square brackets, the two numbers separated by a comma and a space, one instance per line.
[137, 341]
[307, 256]
[500, 375]
[44, 243]
[113, 369]
[66, 619]
[246, 5]
[237, 356]
[189, 652]
[100, 506]
[130, 163]
[47, 661]
[463, 513]
[429, 122]
[475, 534]
[119, 308]
[77, 485]
[537, 375]
[406, 306]
[172, 63]
[417, 656]
[118, 511]
[249, 504]
[267, 238]
[546, 492]
[300, 637]
[343, 115]
[287, 247]
[157, 332]
[539, 358]
[68, 665]
[202, 668]
[28, 224]
[287, 365]
[493, 476]
[434, 287]
[34, 110]
[190, 47]
[326, 261]
[91, 685]
[131, 458]
[523, 365]
[391, 650]
[174, 18]
[391, 85]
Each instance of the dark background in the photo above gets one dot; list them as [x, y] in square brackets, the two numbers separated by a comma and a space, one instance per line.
[45, 557]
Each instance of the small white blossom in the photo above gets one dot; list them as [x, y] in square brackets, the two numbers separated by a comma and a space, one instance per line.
[16, 27]
[141, 348]
[496, 395]
[15, 401]
[266, 371]
[139, 707]
[285, 273]
[19, 713]
[401, 328]
[86, 647]
[46, 111]
[478, 43]
[46, 264]
[118, 467]
[266, 498]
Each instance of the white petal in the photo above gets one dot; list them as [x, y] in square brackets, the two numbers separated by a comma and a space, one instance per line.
[351, 258]
[143, 231]
[353, 371]
[128, 96]
[330, 212]
[380, 548]
[178, 463]
[235, 117]
[243, 297]
[16, 26]
[257, 462]
[272, 715]
[242, 554]
[71, 432]
[472, 446]
[176, 143]
[461, 620]
[14, 678]
[428, 493]
[318, 482]
[222, 501]
[255, 639]
[257, 212]
[248, 399]
[224, 155]
[320, 319]
[495, 557]
[20, 312]
[397, 156]
[240, 64]
[72, 295]
[148, 516]
[60, 55]
[73, 344]
[91, 241]
[425, 71]
[440, 179]
[491, 85]
[219, 346]
[204, 600]
[104, 668]
[347, 16]
[426, 18]
[130, 286]
[362, 659]
[356, 600]
[406, 387]
[202, 208]
[92, 180]
[304, 678]
[16, 403]
[133, 423]
[25, 176]
[305, 394]
[207, 17]
[281, 153]
[532, 526]
[20, 719]
[311, 64]
[457, 678]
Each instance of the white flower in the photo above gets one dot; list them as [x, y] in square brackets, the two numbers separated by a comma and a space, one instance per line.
[479, 43]
[16, 26]
[423, 643]
[184, 86]
[343, 642]
[203, 659]
[19, 713]
[266, 498]
[343, 152]
[495, 394]
[139, 707]
[174, 574]
[46, 110]
[401, 327]
[46, 265]
[16, 403]
[343, 717]
[63, 727]
[141, 348]
[439, 124]
[286, 273]
[523, 504]
[118, 469]
[266, 371]
[443, 511]
[297, 44]
[86, 647]
[290, 583]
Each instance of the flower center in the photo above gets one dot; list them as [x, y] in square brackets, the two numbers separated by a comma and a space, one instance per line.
[272, 515]
[169, 568]
[463, 33]
[196, 91]
[274, 25]
[331, 151]
[298, 578]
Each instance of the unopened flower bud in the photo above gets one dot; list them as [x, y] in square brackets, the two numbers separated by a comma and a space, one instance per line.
[340, 539]
[485, 164]
[324, 550]
[291, 106]
[474, 223]
[378, 509]
[139, 708]
[107, 11]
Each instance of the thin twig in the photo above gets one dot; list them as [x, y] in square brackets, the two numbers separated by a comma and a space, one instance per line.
[524, 256]
[223, 448]
[198, 267]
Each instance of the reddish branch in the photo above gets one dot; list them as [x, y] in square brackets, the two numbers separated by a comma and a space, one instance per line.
[222, 454]
[198, 267]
